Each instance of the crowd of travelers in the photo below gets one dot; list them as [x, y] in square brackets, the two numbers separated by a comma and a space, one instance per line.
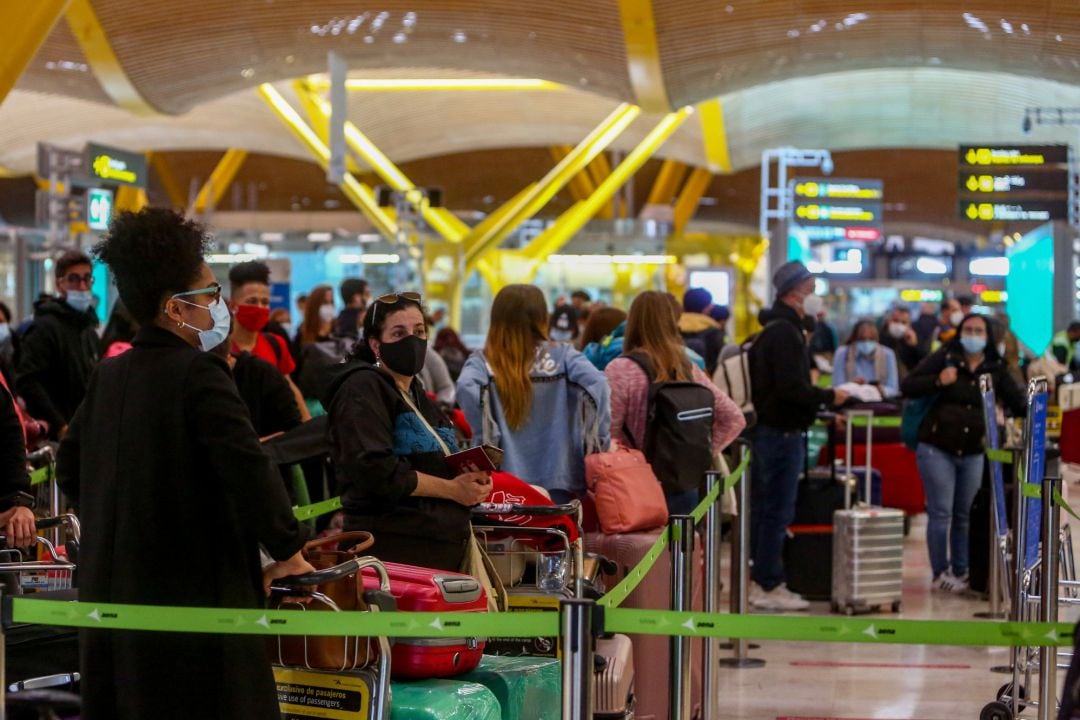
[161, 420]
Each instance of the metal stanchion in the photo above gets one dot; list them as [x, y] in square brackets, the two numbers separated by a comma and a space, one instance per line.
[681, 528]
[711, 679]
[577, 659]
[993, 583]
[740, 565]
[1048, 598]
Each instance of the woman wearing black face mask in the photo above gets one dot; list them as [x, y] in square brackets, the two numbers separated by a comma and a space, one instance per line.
[388, 443]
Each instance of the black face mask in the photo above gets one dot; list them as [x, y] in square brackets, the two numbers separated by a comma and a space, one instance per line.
[406, 356]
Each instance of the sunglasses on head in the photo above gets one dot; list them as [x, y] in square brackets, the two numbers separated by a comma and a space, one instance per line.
[391, 298]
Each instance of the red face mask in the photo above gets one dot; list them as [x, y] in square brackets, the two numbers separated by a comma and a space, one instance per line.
[252, 317]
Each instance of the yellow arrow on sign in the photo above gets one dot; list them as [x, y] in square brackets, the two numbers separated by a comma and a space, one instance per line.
[972, 183]
[971, 157]
[972, 211]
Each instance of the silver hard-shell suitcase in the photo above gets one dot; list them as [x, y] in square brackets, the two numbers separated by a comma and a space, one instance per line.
[868, 544]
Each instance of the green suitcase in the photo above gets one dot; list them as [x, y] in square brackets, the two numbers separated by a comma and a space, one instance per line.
[528, 688]
[442, 700]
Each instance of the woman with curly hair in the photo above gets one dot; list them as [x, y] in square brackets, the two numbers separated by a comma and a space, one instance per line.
[174, 491]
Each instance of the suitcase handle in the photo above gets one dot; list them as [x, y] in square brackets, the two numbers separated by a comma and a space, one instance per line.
[571, 509]
[364, 541]
[337, 572]
[849, 454]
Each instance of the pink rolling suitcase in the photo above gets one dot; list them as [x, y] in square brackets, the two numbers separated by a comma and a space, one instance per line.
[654, 593]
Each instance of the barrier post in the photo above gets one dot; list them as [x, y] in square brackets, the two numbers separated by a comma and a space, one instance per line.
[1048, 598]
[711, 679]
[740, 567]
[681, 529]
[577, 662]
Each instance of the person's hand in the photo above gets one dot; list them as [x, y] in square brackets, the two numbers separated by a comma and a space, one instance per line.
[947, 377]
[910, 338]
[471, 488]
[296, 565]
[270, 437]
[61, 432]
[840, 397]
[19, 526]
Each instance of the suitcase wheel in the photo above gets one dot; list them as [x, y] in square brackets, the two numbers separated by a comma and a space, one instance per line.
[896, 606]
[996, 710]
[1004, 696]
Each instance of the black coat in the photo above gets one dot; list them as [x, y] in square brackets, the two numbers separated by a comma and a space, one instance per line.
[56, 358]
[377, 447]
[175, 495]
[267, 395]
[784, 397]
[955, 421]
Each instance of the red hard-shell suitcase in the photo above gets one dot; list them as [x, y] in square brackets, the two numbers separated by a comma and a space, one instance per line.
[654, 593]
[420, 589]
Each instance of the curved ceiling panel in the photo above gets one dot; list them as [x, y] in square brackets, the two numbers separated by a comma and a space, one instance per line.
[180, 55]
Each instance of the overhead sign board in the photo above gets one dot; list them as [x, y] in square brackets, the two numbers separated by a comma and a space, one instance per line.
[1014, 182]
[1015, 211]
[112, 166]
[839, 189]
[99, 206]
[838, 209]
[999, 156]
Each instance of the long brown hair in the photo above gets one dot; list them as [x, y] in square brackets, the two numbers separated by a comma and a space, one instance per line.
[312, 323]
[652, 329]
[519, 320]
[602, 322]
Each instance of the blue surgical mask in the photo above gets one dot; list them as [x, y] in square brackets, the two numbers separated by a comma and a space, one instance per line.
[219, 313]
[79, 300]
[973, 345]
[866, 347]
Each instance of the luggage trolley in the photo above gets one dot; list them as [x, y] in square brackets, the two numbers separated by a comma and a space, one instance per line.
[311, 688]
[560, 569]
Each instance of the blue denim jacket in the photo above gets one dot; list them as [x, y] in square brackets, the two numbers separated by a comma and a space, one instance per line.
[570, 416]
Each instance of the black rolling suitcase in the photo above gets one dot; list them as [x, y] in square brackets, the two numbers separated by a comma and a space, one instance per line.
[808, 549]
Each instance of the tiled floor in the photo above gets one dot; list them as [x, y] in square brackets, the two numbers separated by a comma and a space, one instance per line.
[810, 680]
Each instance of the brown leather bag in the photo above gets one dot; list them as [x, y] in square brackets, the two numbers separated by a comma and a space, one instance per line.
[342, 595]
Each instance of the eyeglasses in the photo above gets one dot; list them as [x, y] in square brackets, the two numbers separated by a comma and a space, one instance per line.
[214, 290]
[76, 279]
[391, 298]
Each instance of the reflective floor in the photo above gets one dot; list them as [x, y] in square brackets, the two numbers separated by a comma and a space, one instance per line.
[807, 680]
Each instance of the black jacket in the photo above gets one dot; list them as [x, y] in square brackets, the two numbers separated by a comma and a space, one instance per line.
[908, 355]
[56, 358]
[377, 447]
[955, 421]
[267, 395]
[175, 496]
[13, 475]
[784, 397]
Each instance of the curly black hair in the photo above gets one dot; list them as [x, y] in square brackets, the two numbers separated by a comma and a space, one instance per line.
[253, 271]
[152, 254]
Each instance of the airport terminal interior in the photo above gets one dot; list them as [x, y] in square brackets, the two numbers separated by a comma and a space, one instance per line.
[523, 295]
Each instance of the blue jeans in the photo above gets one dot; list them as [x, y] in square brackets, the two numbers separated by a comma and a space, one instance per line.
[951, 482]
[778, 462]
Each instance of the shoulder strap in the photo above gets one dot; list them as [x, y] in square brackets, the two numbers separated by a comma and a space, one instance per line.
[437, 436]
[275, 342]
[643, 362]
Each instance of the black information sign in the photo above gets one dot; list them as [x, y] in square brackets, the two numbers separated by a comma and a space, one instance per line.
[1020, 181]
[110, 166]
[838, 208]
[1009, 156]
[1014, 210]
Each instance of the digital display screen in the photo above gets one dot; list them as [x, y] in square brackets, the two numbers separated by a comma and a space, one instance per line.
[1030, 285]
[718, 281]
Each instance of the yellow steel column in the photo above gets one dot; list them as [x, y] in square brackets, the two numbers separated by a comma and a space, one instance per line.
[130, 199]
[582, 185]
[643, 55]
[575, 218]
[714, 136]
[440, 219]
[219, 181]
[359, 193]
[687, 204]
[99, 52]
[668, 180]
[599, 169]
[28, 24]
[531, 202]
[168, 181]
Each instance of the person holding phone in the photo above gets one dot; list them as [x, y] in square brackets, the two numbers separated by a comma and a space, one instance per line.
[389, 444]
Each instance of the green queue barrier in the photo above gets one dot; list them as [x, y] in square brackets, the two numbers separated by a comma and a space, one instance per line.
[528, 688]
[442, 700]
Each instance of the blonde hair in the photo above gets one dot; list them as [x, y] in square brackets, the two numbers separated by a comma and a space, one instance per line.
[652, 329]
[519, 320]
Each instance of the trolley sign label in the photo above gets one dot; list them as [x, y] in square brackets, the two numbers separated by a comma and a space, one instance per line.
[1036, 468]
[998, 481]
[304, 694]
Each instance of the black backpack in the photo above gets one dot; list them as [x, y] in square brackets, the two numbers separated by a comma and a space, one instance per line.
[678, 430]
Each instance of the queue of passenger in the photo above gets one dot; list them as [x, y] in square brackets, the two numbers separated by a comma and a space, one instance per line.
[160, 443]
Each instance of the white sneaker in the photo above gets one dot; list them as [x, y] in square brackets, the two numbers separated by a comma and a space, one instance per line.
[779, 598]
[947, 582]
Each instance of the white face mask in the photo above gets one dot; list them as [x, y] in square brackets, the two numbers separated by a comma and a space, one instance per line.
[813, 305]
[219, 313]
[897, 329]
[956, 318]
[80, 300]
[327, 313]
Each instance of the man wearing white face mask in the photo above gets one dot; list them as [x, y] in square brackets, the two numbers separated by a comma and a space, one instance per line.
[787, 404]
[61, 348]
[899, 336]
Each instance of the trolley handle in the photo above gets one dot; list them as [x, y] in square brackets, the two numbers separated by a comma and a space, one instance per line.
[67, 520]
[337, 572]
[485, 509]
[42, 458]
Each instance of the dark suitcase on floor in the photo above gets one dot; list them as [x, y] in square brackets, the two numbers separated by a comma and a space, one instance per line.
[418, 589]
[808, 548]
